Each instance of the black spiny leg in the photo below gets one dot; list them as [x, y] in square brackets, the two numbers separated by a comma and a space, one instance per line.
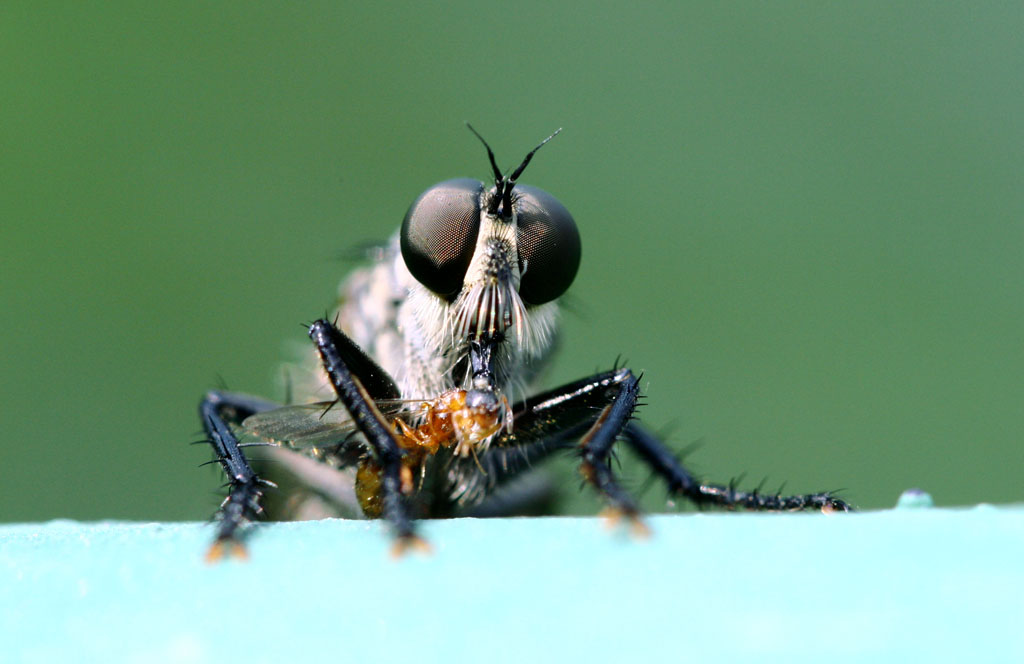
[681, 482]
[217, 411]
[597, 411]
[597, 445]
[335, 351]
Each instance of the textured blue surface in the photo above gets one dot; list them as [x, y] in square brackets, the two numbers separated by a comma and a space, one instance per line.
[937, 584]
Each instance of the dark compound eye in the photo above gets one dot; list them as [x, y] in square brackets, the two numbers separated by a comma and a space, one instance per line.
[549, 245]
[439, 234]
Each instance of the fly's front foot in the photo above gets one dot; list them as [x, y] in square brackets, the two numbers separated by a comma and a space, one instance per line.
[410, 542]
[227, 548]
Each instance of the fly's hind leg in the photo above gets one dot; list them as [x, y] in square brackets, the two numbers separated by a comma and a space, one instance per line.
[615, 421]
[681, 482]
[218, 411]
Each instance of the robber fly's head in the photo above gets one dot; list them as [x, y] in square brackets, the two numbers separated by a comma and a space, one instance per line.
[494, 254]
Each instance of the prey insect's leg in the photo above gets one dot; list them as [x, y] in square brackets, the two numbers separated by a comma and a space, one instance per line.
[217, 411]
[681, 482]
[335, 351]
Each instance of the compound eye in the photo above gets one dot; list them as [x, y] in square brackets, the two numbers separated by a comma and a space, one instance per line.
[548, 244]
[439, 234]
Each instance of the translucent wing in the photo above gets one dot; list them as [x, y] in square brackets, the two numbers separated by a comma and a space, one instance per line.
[308, 425]
[305, 425]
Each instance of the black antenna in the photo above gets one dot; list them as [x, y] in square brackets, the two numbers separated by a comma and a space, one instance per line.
[506, 196]
[519, 171]
[503, 185]
[498, 177]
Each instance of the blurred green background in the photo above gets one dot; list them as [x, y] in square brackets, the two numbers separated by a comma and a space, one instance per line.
[801, 221]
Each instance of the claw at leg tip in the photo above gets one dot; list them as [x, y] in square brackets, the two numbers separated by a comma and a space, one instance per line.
[224, 549]
[638, 528]
[406, 543]
[614, 516]
[834, 507]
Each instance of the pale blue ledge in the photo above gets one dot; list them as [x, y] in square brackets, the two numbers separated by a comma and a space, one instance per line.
[901, 585]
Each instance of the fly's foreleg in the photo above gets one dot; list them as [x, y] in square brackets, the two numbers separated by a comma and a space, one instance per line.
[598, 441]
[336, 354]
[552, 421]
[218, 410]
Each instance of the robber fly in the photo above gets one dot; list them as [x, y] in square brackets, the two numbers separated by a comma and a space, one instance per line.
[430, 363]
